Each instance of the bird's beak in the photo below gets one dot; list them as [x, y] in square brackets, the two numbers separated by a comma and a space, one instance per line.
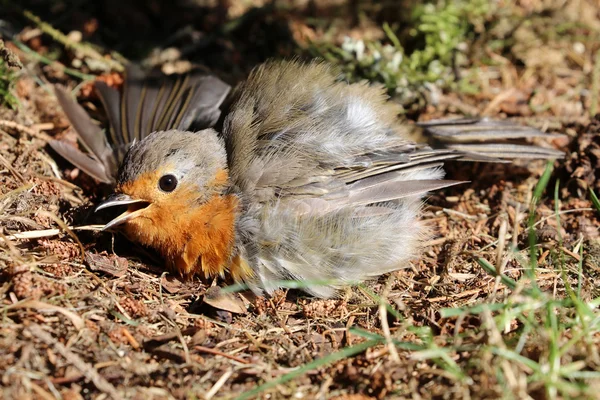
[135, 206]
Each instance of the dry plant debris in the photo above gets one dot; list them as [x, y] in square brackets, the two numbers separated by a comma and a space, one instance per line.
[493, 308]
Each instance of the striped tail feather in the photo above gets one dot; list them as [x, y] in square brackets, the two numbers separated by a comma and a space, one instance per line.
[487, 140]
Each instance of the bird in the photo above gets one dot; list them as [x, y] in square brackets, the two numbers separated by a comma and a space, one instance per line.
[292, 175]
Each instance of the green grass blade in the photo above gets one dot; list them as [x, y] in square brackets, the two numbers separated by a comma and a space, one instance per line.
[392, 36]
[365, 333]
[490, 269]
[375, 297]
[542, 183]
[512, 356]
[123, 318]
[318, 363]
[474, 310]
[594, 199]
[537, 194]
[374, 336]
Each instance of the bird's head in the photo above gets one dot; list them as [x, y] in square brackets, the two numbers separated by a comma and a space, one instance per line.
[167, 181]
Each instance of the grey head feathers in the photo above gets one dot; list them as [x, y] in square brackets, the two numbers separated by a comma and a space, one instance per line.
[193, 157]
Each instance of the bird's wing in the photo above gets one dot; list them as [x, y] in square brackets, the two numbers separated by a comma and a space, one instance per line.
[86, 162]
[101, 162]
[295, 133]
[156, 102]
[148, 102]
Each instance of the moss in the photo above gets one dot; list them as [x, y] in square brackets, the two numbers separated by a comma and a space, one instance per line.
[427, 53]
[8, 78]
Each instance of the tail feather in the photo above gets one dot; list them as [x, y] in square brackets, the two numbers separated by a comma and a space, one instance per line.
[483, 139]
[507, 151]
[90, 134]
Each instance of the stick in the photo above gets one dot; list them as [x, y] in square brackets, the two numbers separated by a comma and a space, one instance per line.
[86, 369]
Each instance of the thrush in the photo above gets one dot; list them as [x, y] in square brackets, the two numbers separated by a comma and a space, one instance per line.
[296, 176]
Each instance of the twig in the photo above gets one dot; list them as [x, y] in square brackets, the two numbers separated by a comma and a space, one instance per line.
[460, 295]
[595, 85]
[501, 244]
[22, 128]
[41, 392]
[215, 352]
[12, 170]
[460, 214]
[132, 340]
[83, 367]
[52, 165]
[60, 37]
[385, 327]
[69, 71]
[167, 337]
[496, 101]
[42, 233]
[66, 228]
[218, 384]
[186, 350]
[39, 305]
[500, 257]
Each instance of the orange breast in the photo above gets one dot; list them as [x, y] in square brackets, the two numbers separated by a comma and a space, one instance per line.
[192, 238]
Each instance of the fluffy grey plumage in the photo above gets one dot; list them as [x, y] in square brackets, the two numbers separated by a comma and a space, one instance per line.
[305, 152]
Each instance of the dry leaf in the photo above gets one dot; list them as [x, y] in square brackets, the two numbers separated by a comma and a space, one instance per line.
[110, 265]
[224, 301]
[171, 285]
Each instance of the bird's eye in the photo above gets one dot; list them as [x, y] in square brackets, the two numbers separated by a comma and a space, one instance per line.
[167, 183]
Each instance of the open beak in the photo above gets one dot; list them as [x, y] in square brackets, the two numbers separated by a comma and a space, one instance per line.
[135, 206]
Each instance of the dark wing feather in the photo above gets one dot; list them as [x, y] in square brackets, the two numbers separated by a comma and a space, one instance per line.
[111, 102]
[87, 163]
[483, 139]
[89, 133]
[131, 103]
[208, 94]
[148, 102]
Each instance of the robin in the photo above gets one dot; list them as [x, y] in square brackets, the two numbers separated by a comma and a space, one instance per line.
[302, 177]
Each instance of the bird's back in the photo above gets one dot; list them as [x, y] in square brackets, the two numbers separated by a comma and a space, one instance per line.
[330, 183]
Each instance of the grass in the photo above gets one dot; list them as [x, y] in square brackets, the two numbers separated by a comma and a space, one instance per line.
[594, 200]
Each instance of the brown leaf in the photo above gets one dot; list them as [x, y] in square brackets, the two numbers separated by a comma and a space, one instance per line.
[171, 284]
[224, 301]
[109, 264]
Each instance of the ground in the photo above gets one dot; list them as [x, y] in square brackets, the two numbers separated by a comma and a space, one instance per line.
[503, 302]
